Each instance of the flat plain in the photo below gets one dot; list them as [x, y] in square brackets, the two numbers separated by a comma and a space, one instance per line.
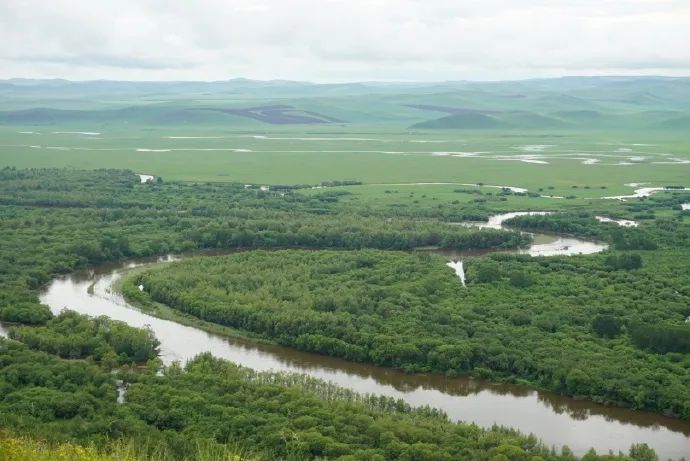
[568, 137]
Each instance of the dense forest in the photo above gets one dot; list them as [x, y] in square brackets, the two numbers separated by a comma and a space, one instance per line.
[54, 221]
[606, 327]
[74, 336]
[410, 311]
[212, 405]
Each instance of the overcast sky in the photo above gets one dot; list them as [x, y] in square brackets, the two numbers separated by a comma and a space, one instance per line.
[342, 40]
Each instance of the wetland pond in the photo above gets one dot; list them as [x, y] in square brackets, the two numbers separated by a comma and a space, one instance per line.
[554, 419]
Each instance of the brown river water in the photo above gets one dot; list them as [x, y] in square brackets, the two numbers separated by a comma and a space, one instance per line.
[555, 419]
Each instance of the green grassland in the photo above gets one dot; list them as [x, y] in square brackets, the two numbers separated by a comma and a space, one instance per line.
[389, 158]
[601, 133]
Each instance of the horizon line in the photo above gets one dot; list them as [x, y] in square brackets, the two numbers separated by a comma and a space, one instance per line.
[349, 82]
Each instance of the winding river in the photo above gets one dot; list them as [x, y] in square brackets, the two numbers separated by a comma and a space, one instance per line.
[554, 419]
[543, 244]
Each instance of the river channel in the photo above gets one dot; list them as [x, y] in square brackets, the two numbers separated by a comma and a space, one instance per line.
[555, 419]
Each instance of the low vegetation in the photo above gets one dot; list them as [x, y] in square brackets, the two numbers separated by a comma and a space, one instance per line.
[24, 449]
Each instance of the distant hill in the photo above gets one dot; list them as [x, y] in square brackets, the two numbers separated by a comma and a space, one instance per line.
[578, 115]
[280, 114]
[161, 115]
[469, 120]
[679, 123]
[532, 120]
[465, 118]
[620, 103]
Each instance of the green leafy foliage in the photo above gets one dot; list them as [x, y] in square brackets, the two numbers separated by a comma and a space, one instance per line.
[26, 312]
[211, 404]
[663, 232]
[624, 261]
[519, 319]
[606, 325]
[661, 338]
[410, 311]
[106, 215]
[71, 335]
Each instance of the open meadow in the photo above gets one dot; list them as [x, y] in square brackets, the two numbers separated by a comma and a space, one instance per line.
[571, 137]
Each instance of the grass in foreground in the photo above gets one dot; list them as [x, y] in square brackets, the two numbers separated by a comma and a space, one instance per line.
[25, 449]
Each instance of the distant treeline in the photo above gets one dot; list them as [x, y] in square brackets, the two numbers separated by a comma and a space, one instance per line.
[664, 232]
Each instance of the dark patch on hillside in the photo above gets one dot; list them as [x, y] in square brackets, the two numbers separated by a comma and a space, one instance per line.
[40, 115]
[279, 114]
[274, 114]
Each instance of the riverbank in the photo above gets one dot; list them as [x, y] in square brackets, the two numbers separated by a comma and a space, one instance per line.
[59, 221]
[164, 312]
[557, 419]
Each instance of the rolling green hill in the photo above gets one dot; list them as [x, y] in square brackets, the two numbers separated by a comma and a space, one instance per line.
[565, 103]
[471, 120]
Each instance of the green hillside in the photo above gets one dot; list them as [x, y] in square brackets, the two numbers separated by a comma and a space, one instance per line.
[463, 121]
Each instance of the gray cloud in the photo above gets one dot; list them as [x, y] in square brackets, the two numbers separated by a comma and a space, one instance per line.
[105, 60]
[336, 40]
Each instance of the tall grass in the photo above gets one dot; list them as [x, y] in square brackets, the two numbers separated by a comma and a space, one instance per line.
[24, 449]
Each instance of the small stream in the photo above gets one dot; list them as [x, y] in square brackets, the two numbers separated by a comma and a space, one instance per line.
[542, 244]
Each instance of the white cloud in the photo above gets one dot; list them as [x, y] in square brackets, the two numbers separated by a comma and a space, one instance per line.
[337, 40]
